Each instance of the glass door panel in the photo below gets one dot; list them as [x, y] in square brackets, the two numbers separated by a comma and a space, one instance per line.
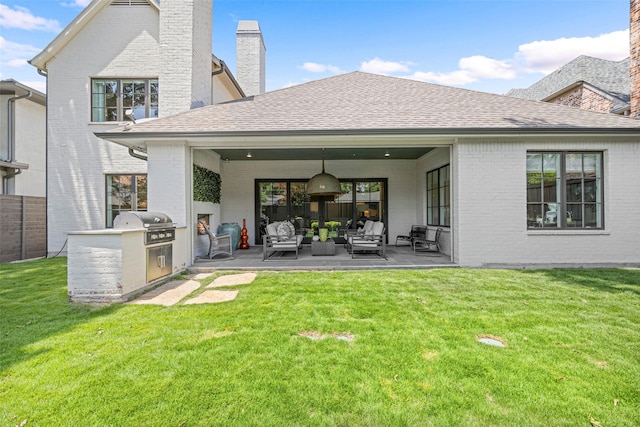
[273, 203]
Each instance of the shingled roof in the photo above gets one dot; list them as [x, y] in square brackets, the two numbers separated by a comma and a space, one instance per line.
[610, 77]
[362, 102]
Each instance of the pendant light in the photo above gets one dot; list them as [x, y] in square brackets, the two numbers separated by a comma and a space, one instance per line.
[323, 184]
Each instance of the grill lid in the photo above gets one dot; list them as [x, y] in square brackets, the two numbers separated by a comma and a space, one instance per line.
[136, 219]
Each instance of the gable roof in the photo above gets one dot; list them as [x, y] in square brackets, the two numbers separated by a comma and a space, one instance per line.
[611, 78]
[70, 31]
[359, 102]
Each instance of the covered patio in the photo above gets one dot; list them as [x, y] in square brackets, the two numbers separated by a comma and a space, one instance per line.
[398, 257]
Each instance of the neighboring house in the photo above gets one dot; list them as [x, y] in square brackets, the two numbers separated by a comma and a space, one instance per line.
[157, 63]
[23, 148]
[589, 83]
[22, 140]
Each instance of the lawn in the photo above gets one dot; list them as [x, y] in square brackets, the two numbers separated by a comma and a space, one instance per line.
[370, 348]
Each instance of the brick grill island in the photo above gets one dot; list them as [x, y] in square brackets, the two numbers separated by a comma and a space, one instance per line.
[114, 265]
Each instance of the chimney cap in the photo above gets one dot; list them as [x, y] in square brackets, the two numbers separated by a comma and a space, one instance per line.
[248, 27]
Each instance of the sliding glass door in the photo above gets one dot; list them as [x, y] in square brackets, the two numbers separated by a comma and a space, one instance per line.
[279, 200]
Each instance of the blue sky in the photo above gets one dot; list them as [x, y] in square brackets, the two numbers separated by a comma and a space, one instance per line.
[482, 45]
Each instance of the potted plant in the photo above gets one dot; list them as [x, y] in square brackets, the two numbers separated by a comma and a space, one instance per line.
[333, 228]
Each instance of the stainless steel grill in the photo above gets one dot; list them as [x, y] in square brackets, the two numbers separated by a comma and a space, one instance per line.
[157, 228]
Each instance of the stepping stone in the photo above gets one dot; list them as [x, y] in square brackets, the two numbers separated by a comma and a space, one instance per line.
[232, 280]
[208, 297]
[168, 294]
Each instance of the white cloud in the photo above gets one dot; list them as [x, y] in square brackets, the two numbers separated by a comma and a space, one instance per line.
[314, 67]
[15, 55]
[378, 66]
[545, 56]
[471, 69]
[23, 19]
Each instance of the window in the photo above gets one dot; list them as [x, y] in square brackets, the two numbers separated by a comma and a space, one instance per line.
[125, 193]
[564, 190]
[438, 197]
[110, 98]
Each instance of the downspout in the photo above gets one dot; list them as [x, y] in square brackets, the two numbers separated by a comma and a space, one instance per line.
[46, 164]
[220, 71]
[11, 149]
[132, 153]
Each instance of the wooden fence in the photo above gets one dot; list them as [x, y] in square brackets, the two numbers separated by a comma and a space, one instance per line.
[23, 227]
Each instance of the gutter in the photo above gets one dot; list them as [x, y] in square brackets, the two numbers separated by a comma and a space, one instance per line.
[443, 132]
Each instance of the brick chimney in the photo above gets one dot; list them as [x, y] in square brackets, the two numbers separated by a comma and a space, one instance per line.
[634, 51]
[250, 58]
[185, 55]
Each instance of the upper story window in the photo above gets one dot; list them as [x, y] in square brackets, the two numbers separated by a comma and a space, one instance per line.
[564, 190]
[111, 98]
[438, 197]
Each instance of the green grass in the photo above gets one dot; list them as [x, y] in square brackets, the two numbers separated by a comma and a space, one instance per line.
[573, 349]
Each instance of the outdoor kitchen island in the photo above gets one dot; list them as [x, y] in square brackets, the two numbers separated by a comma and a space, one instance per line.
[114, 265]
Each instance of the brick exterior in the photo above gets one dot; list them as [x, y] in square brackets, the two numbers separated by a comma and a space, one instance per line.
[583, 97]
[250, 58]
[634, 42]
[490, 207]
[185, 51]
[77, 160]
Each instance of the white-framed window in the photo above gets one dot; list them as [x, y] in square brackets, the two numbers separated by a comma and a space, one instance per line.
[127, 192]
[439, 197]
[111, 98]
[565, 190]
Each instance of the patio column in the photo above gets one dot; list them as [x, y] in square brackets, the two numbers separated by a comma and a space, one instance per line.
[169, 180]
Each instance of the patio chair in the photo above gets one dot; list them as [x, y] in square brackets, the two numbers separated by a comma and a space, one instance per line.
[372, 242]
[219, 244]
[426, 245]
[417, 232]
[280, 237]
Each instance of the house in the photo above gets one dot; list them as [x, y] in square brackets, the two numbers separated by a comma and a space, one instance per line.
[23, 172]
[512, 182]
[589, 83]
[23, 140]
[594, 84]
[158, 63]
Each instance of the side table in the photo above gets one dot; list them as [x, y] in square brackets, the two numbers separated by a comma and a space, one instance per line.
[323, 248]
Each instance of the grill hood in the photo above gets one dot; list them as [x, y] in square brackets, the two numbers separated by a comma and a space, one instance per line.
[137, 220]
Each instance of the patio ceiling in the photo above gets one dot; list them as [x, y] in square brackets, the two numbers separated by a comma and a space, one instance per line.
[329, 153]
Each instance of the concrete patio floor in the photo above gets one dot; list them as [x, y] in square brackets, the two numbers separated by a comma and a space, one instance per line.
[398, 257]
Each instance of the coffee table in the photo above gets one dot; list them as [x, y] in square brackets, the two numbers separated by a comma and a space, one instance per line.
[323, 248]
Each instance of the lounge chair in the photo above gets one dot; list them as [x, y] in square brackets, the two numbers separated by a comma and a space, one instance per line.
[417, 232]
[219, 244]
[281, 238]
[426, 245]
[373, 241]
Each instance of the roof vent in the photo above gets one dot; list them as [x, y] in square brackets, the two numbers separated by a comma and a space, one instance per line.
[129, 3]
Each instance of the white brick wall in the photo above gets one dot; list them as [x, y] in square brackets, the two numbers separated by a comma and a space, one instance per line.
[491, 208]
[250, 58]
[78, 160]
[185, 49]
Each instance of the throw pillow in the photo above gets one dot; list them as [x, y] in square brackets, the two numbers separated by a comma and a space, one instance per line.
[283, 231]
[292, 229]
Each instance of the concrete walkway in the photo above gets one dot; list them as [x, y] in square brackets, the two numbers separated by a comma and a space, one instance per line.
[173, 292]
